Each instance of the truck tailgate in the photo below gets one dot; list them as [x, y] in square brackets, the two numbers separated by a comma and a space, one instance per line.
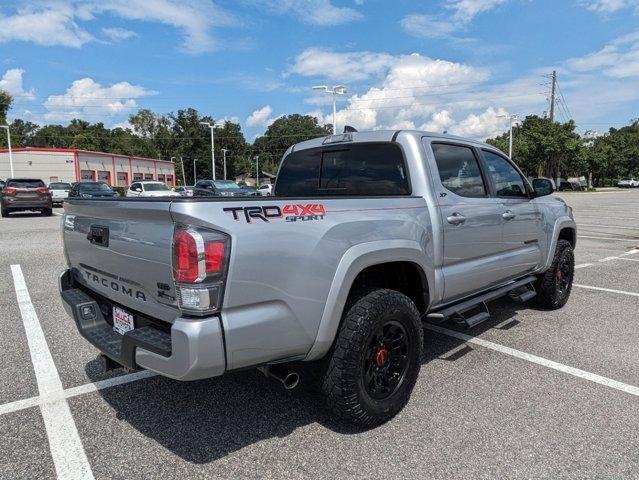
[122, 250]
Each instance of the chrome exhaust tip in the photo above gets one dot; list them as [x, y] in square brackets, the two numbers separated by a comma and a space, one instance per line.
[287, 378]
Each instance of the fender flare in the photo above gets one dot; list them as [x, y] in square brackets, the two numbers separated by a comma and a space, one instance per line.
[560, 224]
[354, 261]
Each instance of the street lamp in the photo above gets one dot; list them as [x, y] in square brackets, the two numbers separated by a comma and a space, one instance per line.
[224, 150]
[211, 127]
[194, 172]
[257, 171]
[511, 119]
[336, 90]
[9, 144]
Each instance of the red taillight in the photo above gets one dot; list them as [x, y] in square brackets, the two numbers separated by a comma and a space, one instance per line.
[214, 255]
[186, 257]
[42, 190]
[9, 191]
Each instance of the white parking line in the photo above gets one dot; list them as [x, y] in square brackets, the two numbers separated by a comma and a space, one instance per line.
[69, 457]
[635, 240]
[629, 259]
[606, 226]
[75, 391]
[610, 290]
[583, 265]
[592, 377]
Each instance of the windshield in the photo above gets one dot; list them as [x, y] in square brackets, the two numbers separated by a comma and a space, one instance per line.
[25, 183]
[59, 186]
[94, 187]
[155, 187]
[625, 179]
[226, 185]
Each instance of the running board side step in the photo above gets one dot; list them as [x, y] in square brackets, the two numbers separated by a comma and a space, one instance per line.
[521, 290]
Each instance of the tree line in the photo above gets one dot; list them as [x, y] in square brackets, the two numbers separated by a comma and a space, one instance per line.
[541, 147]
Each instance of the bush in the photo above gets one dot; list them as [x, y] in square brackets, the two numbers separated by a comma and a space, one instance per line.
[121, 191]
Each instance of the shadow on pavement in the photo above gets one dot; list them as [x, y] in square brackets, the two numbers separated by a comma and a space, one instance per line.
[206, 420]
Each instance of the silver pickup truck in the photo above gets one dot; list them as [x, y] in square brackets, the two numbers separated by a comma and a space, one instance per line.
[367, 235]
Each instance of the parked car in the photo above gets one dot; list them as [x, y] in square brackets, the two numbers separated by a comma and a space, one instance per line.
[221, 188]
[91, 190]
[59, 192]
[266, 190]
[628, 182]
[185, 191]
[570, 185]
[2, 184]
[150, 189]
[367, 235]
[20, 194]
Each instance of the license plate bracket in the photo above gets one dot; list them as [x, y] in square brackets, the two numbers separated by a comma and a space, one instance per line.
[123, 321]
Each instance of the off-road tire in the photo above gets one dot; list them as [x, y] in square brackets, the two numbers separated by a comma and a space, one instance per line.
[549, 294]
[344, 386]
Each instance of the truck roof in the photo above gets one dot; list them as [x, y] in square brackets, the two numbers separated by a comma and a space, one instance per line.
[377, 136]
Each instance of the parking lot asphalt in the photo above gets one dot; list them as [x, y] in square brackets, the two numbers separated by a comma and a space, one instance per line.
[527, 394]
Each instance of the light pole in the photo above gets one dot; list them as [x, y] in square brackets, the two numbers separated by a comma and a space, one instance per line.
[9, 144]
[211, 127]
[183, 173]
[336, 90]
[224, 150]
[511, 119]
[194, 172]
[257, 171]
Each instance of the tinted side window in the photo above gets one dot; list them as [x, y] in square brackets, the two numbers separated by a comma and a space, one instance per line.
[356, 170]
[507, 181]
[459, 170]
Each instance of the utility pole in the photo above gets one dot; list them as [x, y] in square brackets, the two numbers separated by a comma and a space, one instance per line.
[553, 92]
[9, 145]
[194, 172]
[224, 150]
[183, 174]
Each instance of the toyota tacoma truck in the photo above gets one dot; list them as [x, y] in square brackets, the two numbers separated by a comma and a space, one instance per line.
[368, 235]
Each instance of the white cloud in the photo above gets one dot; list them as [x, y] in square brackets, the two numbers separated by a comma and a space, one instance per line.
[462, 12]
[345, 67]
[58, 23]
[11, 82]
[87, 98]
[610, 6]
[54, 25]
[467, 10]
[261, 117]
[427, 26]
[117, 34]
[618, 59]
[315, 12]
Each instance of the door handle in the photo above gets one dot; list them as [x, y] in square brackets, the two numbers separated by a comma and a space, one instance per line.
[456, 219]
[508, 215]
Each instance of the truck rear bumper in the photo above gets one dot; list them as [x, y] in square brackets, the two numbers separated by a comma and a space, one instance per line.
[193, 349]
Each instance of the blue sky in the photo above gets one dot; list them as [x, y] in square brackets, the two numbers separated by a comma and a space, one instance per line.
[453, 65]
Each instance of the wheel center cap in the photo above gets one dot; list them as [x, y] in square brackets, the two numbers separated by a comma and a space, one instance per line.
[381, 356]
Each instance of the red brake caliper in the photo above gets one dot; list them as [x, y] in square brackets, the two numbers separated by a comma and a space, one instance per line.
[381, 356]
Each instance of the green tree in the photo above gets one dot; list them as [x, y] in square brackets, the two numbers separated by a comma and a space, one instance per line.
[6, 101]
[281, 134]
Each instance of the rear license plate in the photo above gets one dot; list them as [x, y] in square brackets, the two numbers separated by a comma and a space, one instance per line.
[122, 321]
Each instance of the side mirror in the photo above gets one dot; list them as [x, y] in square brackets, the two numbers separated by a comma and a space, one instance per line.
[543, 187]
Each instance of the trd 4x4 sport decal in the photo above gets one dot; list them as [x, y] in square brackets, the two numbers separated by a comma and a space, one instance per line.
[290, 213]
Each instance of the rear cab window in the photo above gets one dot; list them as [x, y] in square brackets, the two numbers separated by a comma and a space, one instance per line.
[357, 169]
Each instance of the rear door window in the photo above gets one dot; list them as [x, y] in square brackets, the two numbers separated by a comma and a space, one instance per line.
[459, 170]
[505, 177]
[366, 169]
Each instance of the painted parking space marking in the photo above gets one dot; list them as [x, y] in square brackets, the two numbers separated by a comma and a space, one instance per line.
[75, 391]
[606, 226]
[635, 240]
[583, 265]
[609, 290]
[69, 457]
[592, 377]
